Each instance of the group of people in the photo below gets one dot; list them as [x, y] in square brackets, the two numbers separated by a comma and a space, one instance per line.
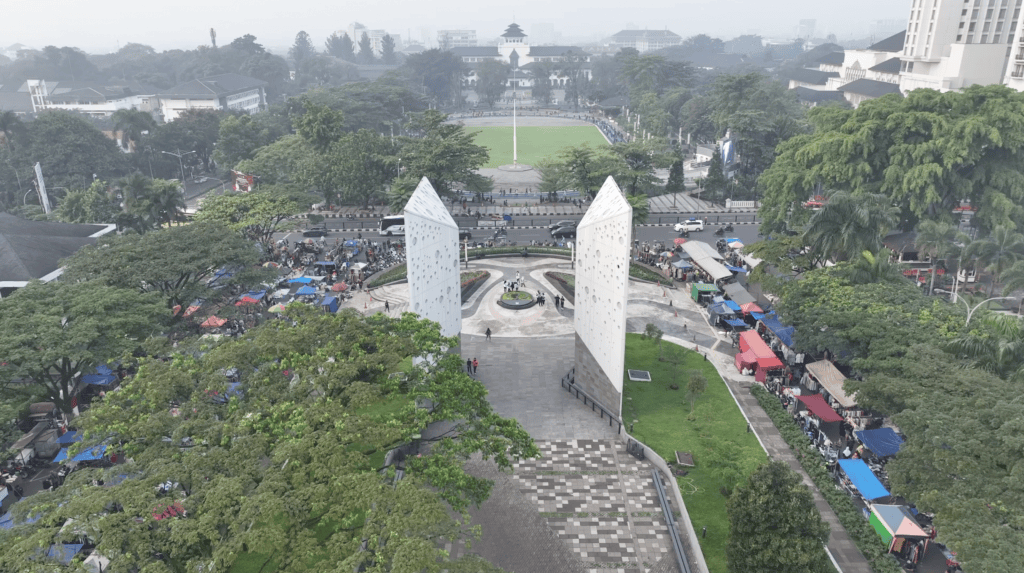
[513, 285]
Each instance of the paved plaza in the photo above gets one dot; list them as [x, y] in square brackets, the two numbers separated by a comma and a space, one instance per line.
[584, 505]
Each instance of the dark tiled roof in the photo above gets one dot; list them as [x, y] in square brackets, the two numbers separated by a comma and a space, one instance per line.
[890, 66]
[893, 43]
[548, 51]
[475, 51]
[834, 58]
[817, 96]
[214, 86]
[870, 88]
[33, 249]
[513, 31]
[816, 77]
[627, 34]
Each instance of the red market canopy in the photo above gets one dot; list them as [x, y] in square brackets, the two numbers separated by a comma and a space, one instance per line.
[750, 307]
[679, 241]
[817, 406]
[213, 322]
[339, 287]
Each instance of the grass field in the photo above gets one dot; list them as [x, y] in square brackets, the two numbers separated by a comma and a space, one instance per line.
[716, 433]
[535, 143]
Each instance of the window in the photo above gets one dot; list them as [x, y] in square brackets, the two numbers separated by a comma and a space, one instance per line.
[988, 15]
[1002, 14]
[971, 27]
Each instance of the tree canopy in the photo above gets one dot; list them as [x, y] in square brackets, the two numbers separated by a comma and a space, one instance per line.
[255, 215]
[926, 153]
[296, 468]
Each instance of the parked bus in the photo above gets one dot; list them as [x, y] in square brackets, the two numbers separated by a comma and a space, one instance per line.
[392, 226]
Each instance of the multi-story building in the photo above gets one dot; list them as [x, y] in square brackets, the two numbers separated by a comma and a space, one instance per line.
[853, 75]
[97, 99]
[514, 49]
[448, 39]
[953, 44]
[645, 40]
[1015, 67]
[226, 91]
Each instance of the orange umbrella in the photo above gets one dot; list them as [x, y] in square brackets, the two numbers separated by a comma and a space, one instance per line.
[679, 241]
[213, 322]
[339, 287]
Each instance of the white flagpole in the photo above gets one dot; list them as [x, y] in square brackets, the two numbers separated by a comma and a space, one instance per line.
[515, 144]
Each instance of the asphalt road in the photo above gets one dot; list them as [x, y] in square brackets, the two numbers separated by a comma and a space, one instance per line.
[745, 232]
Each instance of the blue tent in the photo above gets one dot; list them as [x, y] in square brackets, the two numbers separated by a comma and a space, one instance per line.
[682, 265]
[61, 456]
[883, 441]
[7, 520]
[733, 306]
[254, 294]
[732, 240]
[70, 438]
[351, 243]
[761, 316]
[103, 376]
[735, 269]
[864, 479]
[735, 322]
[91, 454]
[306, 290]
[303, 280]
[64, 552]
[785, 333]
[331, 303]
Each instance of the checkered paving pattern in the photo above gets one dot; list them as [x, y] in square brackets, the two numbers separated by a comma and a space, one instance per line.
[599, 500]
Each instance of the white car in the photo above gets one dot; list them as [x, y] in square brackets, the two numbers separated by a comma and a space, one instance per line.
[691, 225]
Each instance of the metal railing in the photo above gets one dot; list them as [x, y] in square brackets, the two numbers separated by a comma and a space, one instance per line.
[569, 383]
[670, 518]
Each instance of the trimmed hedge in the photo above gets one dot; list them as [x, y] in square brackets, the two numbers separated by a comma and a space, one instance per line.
[850, 516]
[391, 275]
[643, 273]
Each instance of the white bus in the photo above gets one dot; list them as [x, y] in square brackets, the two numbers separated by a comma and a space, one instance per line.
[392, 226]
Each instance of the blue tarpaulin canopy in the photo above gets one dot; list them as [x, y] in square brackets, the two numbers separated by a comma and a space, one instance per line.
[735, 269]
[682, 265]
[89, 455]
[254, 294]
[719, 308]
[303, 280]
[7, 520]
[864, 479]
[70, 438]
[306, 290]
[883, 441]
[732, 306]
[735, 322]
[61, 456]
[351, 243]
[732, 240]
[64, 552]
[761, 315]
[785, 333]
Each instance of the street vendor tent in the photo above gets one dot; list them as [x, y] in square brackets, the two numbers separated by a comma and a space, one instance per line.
[750, 342]
[735, 269]
[351, 243]
[213, 322]
[882, 442]
[89, 455]
[893, 522]
[718, 311]
[103, 376]
[864, 479]
[7, 520]
[684, 265]
[251, 297]
[64, 552]
[738, 294]
[302, 280]
[707, 259]
[305, 291]
[70, 438]
[831, 379]
[749, 307]
[731, 305]
[784, 333]
[735, 323]
[330, 304]
[818, 408]
[699, 290]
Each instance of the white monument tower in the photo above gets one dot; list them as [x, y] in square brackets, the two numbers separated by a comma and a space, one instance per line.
[432, 246]
[602, 275]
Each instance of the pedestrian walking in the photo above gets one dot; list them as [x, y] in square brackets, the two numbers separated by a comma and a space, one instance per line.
[488, 333]
[387, 306]
[469, 366]
[475, 364]
[556, 301]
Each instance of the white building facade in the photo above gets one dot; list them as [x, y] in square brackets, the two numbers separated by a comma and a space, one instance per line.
[447, 39]
[515, 50]
[226, 91]
[91, 98]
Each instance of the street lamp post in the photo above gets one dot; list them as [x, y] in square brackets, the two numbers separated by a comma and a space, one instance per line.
[970, 309]
[181, 164]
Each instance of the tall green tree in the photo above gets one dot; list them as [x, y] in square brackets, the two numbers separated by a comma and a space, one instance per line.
[676, 176]
[439, 73]
[56, 331]
[715, 183]
[195, 130]
[92, 205]
[492, 77]
[254, 215]
[639, 159]
[442, 152]
[358, 168]
[366, 55]
[132, 123]
[540, 81]
[239, 136]
[774, 526]
[998, 251]
[387, 50]
[654, 73]
[283, 161]
[340, 46]
[320, 126]
[934, 239]
[573, 66]
[176, 263]
[302, 49]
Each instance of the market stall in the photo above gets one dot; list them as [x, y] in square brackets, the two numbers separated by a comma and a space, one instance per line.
[824, 375]
[864, 480]
[765, 359]
[883, 442]
[899, 531]
[702, 293]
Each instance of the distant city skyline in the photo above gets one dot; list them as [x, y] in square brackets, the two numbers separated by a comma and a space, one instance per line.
[102, 26]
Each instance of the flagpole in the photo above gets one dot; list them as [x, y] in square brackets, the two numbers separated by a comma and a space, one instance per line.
[515, 144]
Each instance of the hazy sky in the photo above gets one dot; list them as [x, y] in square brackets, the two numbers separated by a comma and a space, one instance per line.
[99, 25]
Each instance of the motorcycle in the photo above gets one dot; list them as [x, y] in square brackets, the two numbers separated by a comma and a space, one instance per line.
[720, 231]
[728, 228]
[684, 233]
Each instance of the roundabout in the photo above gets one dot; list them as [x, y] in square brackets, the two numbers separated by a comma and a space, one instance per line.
[517, 300]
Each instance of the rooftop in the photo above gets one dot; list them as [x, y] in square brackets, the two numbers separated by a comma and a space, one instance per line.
[547, 51]
[817, 96]
[833, 58]
[870, 88]
[33, 249]
[890, 66]
[513, 31]
[808, 76]
[893, 43]
[475, 51]
[624, 34]
[214, 86]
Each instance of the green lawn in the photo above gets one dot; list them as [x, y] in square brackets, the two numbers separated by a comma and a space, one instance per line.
[716, 434]
[535, 143]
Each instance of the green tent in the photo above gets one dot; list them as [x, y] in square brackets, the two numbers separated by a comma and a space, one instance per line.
[699, 289]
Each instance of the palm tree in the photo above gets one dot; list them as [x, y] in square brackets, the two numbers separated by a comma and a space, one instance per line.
[998, 347]
[641, 210]
[131, 123]
[872, 268]
[935, 239]
[1012, 278]
[166, 202]
[998, 251]
[135, 195]
[848, 225]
